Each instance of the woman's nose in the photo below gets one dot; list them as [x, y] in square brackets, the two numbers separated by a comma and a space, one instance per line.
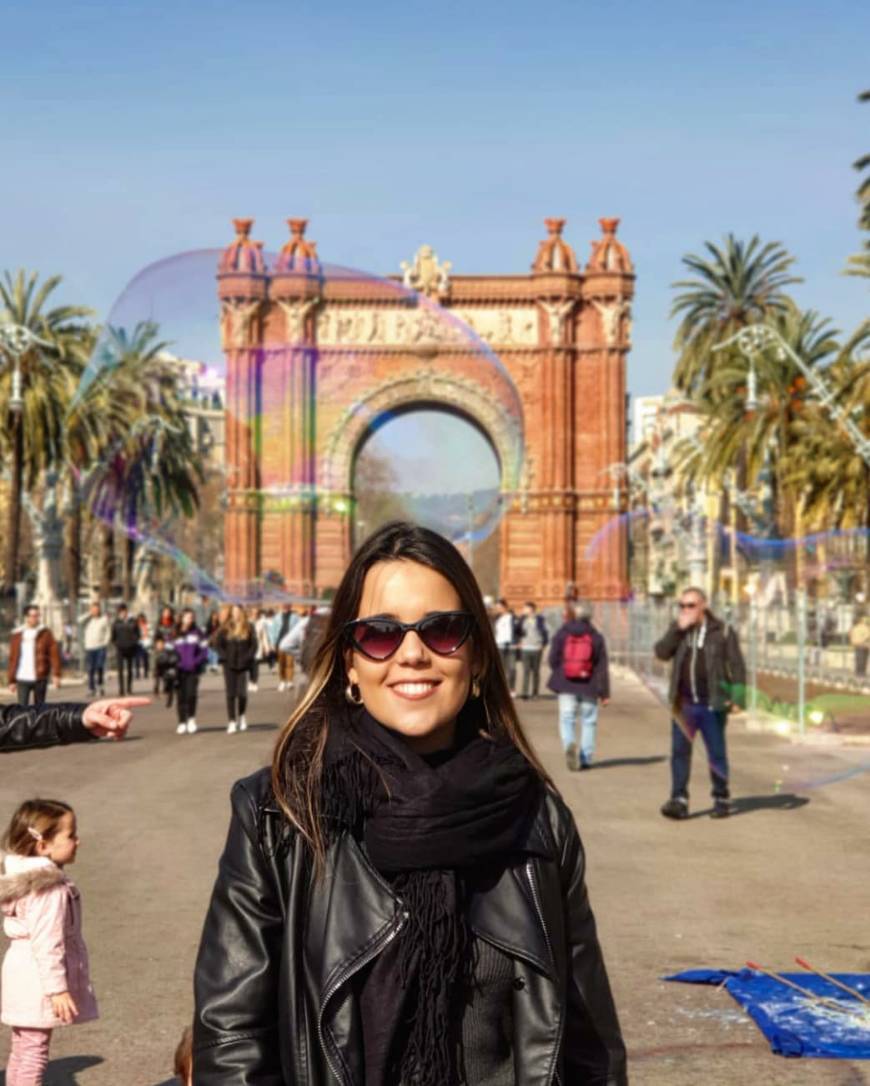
[412, 650]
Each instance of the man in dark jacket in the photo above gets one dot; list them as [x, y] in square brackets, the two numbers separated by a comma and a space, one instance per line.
[708, 680]
[125, 638]
[579, 674]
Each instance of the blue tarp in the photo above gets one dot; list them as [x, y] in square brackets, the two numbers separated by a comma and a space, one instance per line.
[793, 1025]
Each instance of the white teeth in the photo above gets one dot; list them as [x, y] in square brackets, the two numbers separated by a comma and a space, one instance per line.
[413, 689]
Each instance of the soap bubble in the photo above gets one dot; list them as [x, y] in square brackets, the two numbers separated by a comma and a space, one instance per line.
[416, 417]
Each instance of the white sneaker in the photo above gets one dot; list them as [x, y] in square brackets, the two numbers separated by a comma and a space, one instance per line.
[191, 726]
[181, 729]
[231, 728]
[282, 686]
[252, 687]
[243, 724]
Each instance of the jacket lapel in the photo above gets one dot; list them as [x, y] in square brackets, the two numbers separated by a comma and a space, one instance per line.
[506, 913]
[337, 940]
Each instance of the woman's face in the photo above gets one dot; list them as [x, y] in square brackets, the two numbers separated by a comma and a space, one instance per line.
[187, 620]
[415, 692]
[236, 614]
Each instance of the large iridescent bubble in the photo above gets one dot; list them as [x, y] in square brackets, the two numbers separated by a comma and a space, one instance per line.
[332, 402]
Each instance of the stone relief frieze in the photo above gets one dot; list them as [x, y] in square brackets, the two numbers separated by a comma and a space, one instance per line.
[360, 326]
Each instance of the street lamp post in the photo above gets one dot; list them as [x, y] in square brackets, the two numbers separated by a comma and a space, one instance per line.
[15, 341]
[754, 339]
[751, 342]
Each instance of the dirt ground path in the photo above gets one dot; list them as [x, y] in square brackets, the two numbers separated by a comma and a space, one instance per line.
[790, 873]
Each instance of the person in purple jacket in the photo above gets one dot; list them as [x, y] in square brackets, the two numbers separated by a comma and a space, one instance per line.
[191, 646]
[580, 676]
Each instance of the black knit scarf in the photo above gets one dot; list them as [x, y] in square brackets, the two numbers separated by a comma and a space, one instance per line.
[426, 824]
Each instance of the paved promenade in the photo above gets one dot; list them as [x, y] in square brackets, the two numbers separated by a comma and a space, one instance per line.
[790, 874]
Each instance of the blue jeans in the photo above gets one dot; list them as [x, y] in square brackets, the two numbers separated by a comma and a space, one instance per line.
[96, 661]
[711, 724]
[572, 707]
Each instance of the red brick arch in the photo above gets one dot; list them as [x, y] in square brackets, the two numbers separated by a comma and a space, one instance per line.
[341, 351]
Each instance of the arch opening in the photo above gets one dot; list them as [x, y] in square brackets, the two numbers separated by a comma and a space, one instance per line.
[436, 465]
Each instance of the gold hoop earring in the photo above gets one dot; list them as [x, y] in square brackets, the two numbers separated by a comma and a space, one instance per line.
[353, 694]
[475, 686]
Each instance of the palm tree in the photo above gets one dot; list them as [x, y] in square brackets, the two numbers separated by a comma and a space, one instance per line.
[860, 263]
[734, 285]
[142, 461]
[49, 369]
[762, 443]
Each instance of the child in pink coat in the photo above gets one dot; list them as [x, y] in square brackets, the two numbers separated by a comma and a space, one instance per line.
[45, 980]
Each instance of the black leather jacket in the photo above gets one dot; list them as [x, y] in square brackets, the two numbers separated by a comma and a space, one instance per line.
[274, 1006]
[43, 727]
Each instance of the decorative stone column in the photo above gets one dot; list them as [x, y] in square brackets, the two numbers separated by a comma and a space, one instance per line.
[242, 289]
[290, 385]
[604, 338]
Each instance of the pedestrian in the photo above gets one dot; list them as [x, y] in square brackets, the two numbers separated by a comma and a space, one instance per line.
[46, 980]
[281, 625]
[236, 645]
[34, 657]
[216, 619]
[192, 649]
[125, 638]
[165, 669]
[291, 646]
[142, 659]
[312, 633]
[60, 723]
[532, 638]
[402, 896]
[506, 640]
[580, 676]
[183, 1061]
[166, 624]
[859, 639]
[708, 680]
[96, 634]
[264, 646]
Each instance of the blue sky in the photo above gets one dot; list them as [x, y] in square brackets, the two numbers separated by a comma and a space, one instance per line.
[132, 131]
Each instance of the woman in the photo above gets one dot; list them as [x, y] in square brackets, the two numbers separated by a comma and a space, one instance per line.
[401, 898]
[192, 649]
[143, 649]
[236, 647]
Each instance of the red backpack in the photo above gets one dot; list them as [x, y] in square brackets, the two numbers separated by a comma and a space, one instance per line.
[578, 659]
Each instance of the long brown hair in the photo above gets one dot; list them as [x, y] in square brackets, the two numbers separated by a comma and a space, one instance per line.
[238, 628]
[298, 761]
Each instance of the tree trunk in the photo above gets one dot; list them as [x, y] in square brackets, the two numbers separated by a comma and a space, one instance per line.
[73, 563]
[13, 538]
[107, 574]
[129, 559]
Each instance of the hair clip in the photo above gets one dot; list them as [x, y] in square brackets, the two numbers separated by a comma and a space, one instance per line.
[35, 834]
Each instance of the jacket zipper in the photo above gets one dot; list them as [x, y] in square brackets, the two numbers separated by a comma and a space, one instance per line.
[692, 664]
[343, 977]
[530, 874]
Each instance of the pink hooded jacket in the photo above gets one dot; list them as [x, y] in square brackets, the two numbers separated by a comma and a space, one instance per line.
[47, 954]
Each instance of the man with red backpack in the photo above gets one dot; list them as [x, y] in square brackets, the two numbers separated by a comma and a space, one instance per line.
[580, 676]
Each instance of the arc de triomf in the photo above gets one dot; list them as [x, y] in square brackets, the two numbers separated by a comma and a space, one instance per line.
[291, 336]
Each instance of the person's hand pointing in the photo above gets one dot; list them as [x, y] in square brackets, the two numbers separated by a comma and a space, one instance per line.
[111, 716]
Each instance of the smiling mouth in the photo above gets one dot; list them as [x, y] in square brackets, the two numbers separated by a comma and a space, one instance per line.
[415, 691]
